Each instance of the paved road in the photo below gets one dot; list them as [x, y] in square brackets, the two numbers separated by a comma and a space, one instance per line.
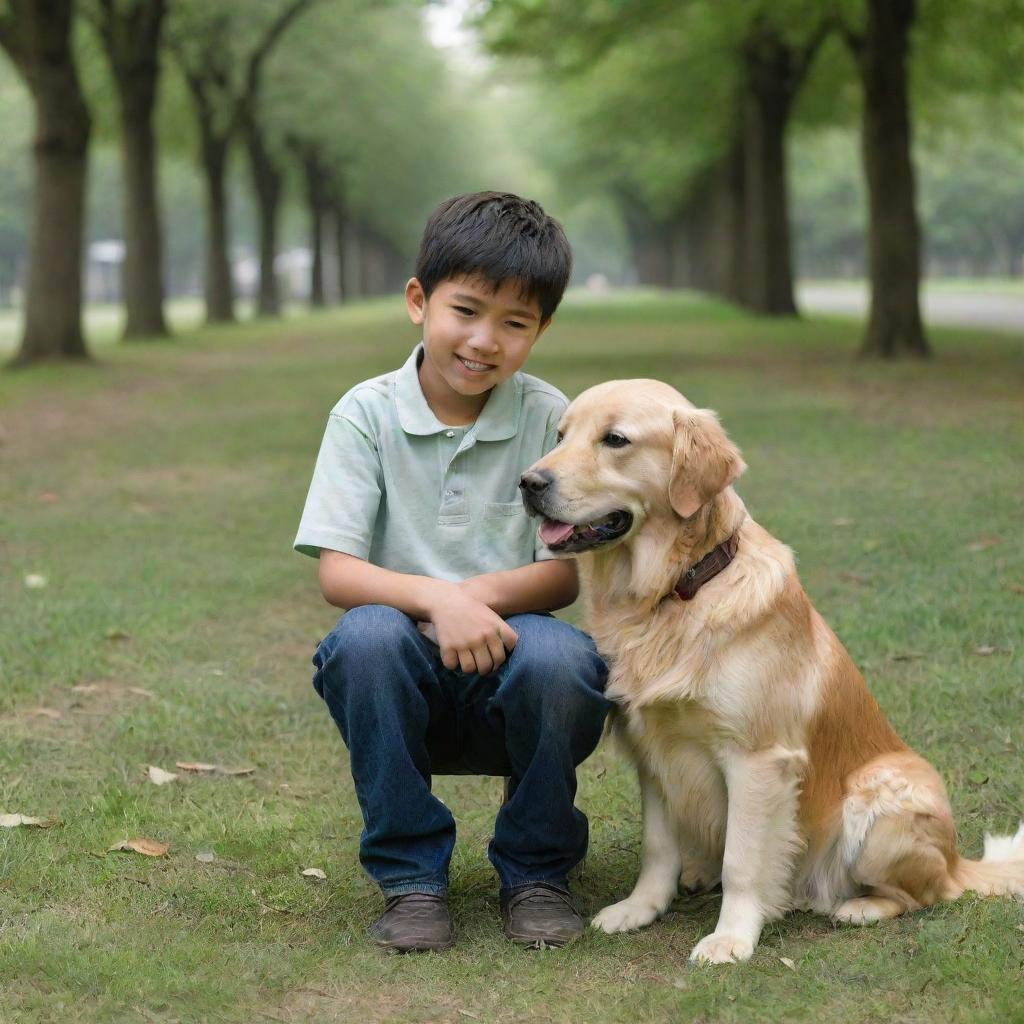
[1000, 311]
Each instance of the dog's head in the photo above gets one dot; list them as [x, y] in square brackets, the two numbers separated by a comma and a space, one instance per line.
[628, 451]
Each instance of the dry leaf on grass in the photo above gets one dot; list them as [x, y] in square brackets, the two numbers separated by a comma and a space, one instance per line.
[117, 634]
[17, 820]
[315, 873]
[112, 688]
[42, 713]
[147, 847]
[789, 963]
[906, 656]
[48, 497]
[34, 581]
[159, 777]
[842, 521]
[202, 768]
[982, 543]
[206, 856]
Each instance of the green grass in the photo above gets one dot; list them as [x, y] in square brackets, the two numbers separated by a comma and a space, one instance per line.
[158, 492]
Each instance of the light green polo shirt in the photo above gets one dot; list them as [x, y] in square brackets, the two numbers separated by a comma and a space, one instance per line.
[395, 486]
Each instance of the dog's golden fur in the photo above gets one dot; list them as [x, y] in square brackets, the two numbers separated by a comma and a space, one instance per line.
[763, 759]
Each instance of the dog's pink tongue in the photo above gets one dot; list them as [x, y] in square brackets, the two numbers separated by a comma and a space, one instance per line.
[554, 532]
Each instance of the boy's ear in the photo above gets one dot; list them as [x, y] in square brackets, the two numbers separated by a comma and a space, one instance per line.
[415, 300]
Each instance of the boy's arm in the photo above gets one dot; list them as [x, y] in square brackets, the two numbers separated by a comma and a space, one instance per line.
[469, 634]
[540, 586]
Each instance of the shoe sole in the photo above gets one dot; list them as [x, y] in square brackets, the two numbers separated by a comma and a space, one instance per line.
[433, 947]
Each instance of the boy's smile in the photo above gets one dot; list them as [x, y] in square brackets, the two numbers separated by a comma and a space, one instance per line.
[473, 338]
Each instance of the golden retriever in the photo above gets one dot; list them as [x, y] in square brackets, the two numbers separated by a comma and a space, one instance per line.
[763, 760]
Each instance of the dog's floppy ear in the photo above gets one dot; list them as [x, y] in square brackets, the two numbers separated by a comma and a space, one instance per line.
[704, 460]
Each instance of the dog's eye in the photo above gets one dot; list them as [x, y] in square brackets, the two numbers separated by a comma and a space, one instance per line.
[614, 440]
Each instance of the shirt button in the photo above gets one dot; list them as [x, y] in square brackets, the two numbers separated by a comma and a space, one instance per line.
[448, 494]
[449, 433]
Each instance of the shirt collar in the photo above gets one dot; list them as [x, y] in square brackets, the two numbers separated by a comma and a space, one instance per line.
[498, 421]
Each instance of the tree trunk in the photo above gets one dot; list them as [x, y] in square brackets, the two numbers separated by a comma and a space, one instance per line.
[37, 37]
[317, 201]
[220, 292]
[266, 179]
[341, 237]
[131, 38]
[894, 241]
[768, 273]
[143, 264]
[717, 238]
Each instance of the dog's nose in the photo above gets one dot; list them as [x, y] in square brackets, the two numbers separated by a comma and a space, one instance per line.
[536, 483]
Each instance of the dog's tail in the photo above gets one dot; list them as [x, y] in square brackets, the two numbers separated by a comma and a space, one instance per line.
[1000, 872]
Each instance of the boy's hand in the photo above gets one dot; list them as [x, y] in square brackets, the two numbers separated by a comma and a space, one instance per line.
[471, 636]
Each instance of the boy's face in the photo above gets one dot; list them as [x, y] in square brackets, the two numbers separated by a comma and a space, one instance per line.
[473, 339]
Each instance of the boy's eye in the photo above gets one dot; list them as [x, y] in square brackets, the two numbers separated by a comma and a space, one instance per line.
[613, 440]
[464, 310]
[516, 324]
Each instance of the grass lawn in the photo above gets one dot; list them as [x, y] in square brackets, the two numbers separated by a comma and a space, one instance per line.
[158, 492]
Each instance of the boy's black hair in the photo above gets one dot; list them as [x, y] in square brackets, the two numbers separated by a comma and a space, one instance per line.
[499, 237]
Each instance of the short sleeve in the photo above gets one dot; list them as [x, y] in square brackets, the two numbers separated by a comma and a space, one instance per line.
[345, 493]
[541, 553]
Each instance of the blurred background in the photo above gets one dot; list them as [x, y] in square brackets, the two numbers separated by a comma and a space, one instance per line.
[169, 161]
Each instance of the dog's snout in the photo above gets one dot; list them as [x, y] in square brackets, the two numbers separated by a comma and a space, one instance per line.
[535, 483]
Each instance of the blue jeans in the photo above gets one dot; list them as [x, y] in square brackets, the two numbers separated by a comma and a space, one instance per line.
[404, 717]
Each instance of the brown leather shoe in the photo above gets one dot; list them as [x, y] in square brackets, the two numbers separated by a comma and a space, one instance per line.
[413, 922]
[540, 915]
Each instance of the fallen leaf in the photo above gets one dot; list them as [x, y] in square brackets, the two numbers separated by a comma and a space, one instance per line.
[984, 650]
[211, 769]
[16, 820]
[147, 847]
[789, 963]
[112, 688]
[314, 873]
[48, 496]
[978, 777]
[117, 634]
[206, 856]
[42, 713]
[982, 543]
[842, 521]
[906, 656]
[159, 777]
[34, 581]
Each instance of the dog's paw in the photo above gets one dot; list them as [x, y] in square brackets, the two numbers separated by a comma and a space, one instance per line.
[722, 948]
[865, 910]
[626, 916]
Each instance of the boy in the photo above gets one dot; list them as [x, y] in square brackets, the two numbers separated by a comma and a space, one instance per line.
[447, 661]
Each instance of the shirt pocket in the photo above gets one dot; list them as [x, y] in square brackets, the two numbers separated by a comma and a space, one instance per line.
[498, 509]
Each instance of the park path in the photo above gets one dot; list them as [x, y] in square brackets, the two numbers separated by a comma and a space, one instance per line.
[992, 310]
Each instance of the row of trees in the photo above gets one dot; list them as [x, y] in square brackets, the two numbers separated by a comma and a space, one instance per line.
[323, 97]
[681, 109]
